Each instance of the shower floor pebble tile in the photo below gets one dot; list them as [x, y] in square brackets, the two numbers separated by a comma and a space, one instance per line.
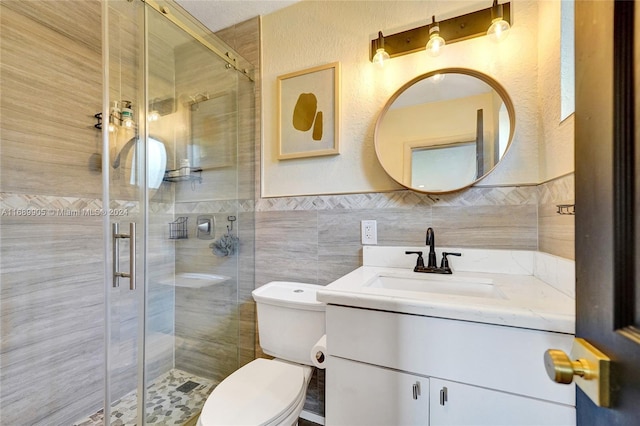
[166, 405]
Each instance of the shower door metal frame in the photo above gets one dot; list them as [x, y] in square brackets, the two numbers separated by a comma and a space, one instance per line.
[169, 11]
[111, 234]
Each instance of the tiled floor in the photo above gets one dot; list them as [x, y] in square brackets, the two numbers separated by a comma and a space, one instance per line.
[166, 403]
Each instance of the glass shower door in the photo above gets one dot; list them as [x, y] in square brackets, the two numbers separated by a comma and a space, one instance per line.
[125, 222]
[172, 182]
[193, 303]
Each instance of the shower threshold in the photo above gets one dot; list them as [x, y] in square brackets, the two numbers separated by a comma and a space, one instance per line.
[175, 398]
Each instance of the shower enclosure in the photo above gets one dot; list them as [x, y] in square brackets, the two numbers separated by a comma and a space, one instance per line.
[127, 192]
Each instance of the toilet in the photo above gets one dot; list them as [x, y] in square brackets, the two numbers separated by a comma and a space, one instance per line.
[269, 392]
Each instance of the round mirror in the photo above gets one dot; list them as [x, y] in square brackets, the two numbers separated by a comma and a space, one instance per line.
[444, 130]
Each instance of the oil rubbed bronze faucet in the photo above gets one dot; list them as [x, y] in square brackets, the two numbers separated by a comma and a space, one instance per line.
[431, 242]
[431, 267]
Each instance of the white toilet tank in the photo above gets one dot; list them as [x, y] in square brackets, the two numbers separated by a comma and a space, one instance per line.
[290, 320]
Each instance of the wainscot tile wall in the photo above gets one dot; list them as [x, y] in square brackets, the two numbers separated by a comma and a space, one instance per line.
[316, 239]
[556, 232]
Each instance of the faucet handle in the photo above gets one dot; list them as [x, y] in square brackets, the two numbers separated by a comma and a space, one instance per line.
[420, 261]
[444, 264]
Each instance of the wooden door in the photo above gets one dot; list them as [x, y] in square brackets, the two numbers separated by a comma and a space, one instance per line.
[607, 201]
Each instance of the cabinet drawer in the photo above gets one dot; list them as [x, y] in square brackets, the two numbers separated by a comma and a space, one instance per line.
[504, 358]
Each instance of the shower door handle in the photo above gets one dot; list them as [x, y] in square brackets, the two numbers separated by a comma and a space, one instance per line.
[117, 236]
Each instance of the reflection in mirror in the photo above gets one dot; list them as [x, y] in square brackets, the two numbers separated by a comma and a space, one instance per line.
[444, 130]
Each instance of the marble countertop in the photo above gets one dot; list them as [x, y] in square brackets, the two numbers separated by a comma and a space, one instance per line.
[526, 301]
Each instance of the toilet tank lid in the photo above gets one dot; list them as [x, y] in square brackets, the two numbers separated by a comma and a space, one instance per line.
[289, 294]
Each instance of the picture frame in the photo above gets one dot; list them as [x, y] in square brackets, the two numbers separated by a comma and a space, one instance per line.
[309, 112]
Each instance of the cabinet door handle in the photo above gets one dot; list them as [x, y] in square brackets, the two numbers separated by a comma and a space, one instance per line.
[443, 395]
[416, 390]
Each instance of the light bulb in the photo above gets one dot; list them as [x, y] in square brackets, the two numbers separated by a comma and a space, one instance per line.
[380, 56]
[499, 30]
[435, 44]
[153, 116]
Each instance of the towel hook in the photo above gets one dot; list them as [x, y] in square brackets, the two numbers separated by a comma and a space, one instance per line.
[230, 219]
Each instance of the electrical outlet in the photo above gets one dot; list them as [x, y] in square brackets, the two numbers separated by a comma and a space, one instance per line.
[369, 232]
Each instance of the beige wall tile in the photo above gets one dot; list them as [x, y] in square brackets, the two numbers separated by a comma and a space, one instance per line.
[556, 232]
[500, 227]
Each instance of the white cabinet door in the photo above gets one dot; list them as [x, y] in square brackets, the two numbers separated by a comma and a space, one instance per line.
[454, 403]
[363, 394]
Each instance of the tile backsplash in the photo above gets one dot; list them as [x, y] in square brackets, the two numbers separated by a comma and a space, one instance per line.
[316, 239]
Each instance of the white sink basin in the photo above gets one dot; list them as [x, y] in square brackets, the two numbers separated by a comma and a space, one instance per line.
[439, 284]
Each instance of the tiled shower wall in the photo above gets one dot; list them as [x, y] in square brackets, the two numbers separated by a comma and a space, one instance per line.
[51, 292]
[52, 264]
[215, 326]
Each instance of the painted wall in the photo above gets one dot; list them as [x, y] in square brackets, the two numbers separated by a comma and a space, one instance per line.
[313, 32]
[556, 138]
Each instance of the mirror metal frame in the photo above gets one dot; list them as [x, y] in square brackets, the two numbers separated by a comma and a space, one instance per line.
[473, 73]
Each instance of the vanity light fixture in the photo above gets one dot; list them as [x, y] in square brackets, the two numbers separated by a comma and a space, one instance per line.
[381, 54]
[435, 43]
[464, 27]
[499, 28]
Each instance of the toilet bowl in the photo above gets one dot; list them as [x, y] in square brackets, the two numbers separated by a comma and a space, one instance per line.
[269, 392]
[263, 392]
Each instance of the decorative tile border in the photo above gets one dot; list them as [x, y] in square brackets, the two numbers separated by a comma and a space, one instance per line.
[561, 189]
[221, 206]
[510, 195]
[48, 202]
[72, 206]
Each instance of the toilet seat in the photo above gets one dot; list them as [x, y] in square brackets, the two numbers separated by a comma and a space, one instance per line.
[263, 392]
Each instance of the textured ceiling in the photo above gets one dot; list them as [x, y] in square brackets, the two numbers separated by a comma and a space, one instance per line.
[219, 14]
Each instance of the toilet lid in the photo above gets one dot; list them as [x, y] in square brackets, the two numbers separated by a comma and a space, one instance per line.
[256, 394]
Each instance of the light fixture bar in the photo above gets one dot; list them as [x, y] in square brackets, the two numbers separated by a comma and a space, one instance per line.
[461, 28]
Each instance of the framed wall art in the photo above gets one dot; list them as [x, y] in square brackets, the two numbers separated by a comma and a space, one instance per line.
[308, 112]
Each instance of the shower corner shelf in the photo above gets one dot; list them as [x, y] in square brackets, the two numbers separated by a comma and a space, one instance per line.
[195, 175]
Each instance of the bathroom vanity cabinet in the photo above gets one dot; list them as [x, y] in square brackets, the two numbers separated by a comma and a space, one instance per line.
[389, 368]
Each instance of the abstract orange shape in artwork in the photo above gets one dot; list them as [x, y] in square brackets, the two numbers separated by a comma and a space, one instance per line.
[305, 111]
